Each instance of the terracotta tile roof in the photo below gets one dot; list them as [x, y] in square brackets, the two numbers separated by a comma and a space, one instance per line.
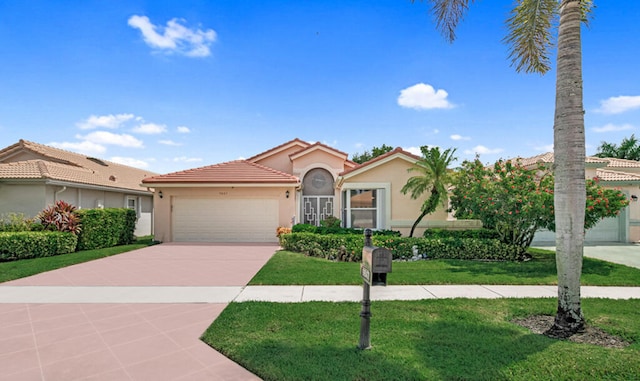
[276, 149]
[609, 175]
[232, 172]
[56, 164]
[621, 163]
[376, 159]
[318, 145]
[548, 158]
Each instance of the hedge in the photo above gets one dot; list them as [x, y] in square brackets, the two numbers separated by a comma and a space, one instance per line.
[22, 245]
[348, 247]
[308, 228]
[466, 233]
[106, 227]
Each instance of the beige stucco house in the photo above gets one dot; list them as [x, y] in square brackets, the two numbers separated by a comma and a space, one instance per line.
[295, 182]
[612, 173]
[34, 176]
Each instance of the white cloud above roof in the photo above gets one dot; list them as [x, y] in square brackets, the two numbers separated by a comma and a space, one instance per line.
[150, 128]
[169, 143]
[618, 105]
[105, 137]
[184, 159]
[482, 150]
[174, 37]
[424, 97]
[183, 129]
[459, 137]
[85, 147]
[104, 121]
[131, 162]
[610, 127]
[414, 150]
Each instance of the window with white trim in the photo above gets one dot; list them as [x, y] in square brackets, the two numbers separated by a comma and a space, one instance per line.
[363, 208]
[132, 203]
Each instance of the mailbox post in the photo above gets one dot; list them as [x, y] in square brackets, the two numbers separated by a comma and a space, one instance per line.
[376, 263]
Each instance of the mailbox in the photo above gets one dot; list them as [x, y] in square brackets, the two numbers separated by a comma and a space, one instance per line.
[376, 264]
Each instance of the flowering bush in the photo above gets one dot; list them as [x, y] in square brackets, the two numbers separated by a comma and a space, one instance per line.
[517, 201]
[280, 230]
[60, 217]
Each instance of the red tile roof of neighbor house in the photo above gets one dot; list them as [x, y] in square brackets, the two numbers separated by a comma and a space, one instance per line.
[232, 172]
[49, 163]
[605, 173]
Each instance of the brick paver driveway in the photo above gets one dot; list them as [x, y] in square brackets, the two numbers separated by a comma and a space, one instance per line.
[138, 340]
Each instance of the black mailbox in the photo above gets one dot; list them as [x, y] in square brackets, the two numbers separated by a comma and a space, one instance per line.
[376, 264]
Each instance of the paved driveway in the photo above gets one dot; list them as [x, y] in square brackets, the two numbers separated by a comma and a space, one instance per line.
[99, 340]
[624, 254]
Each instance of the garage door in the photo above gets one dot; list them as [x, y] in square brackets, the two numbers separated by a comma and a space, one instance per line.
[224, 220]
[607, 230]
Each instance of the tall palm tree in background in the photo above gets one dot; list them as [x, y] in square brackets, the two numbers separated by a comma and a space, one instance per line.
[628, 149]
[434, 176]
[530, 38]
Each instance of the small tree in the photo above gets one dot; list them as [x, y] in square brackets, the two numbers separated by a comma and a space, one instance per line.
[628, 149]
[434, 176]
[517, 201]
[375, 152]
[60, 217]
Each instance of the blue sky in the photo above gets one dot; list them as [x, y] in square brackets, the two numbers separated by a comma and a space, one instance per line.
[171, 85]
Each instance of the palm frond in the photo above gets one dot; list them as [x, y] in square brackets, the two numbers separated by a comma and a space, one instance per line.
[448, 14]
[530, 34]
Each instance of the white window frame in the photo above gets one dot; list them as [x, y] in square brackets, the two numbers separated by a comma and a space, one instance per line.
[383, 202]
[136, 204]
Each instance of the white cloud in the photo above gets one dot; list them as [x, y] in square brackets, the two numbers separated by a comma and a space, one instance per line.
[183, 129]
[617, 105]
[174, 37]
[613, 127]
[544, 148]
[184, 159]
[422, 97]
[105, 121]
[482, 150]
[150, 128]
[130, 162]
[104, 137]
[169, 143]
[414, 150]
[85, 147]
[459, 137]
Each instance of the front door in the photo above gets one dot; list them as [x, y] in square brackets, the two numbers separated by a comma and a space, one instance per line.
[317, 196]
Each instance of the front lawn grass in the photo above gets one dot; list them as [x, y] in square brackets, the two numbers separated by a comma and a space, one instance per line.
[452, 339]
[27, 267]
[288, 268]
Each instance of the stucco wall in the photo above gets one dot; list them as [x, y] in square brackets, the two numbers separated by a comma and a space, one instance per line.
[280, 160]
[26, 199]
[404, 210]
[162, 206]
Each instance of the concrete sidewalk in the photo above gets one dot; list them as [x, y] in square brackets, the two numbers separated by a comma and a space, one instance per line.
[286, 294]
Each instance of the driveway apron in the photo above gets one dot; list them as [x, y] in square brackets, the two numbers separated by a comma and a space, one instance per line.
[133, 316]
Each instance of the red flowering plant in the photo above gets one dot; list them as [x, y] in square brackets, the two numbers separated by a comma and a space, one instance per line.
[61, 217]
[517, 201]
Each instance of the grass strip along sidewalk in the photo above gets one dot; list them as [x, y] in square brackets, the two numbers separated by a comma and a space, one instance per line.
[27, 267]
[287, 268]
[446, 339]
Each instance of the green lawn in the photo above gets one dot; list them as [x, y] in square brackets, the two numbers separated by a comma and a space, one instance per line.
[453, 339]
[287, 268]
[27, 267]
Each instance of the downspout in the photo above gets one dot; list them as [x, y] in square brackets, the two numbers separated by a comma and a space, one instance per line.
[55, 195]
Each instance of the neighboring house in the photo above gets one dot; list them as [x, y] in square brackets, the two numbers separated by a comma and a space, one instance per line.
[611, 173]
[295, 182]
[34, 176]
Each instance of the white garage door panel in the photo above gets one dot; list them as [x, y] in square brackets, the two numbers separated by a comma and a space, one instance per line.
[607, 230]
[224, 220]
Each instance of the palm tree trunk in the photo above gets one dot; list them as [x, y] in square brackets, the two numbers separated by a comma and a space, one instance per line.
[570, 189]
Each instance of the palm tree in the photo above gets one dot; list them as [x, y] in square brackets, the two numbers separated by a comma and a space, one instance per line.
[434, 176]
[628, 149]
[530, 28]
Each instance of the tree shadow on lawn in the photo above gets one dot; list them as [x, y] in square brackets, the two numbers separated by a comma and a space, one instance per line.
[536, 268]
[478, 351]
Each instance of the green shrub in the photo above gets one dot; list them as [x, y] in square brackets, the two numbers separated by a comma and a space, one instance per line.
[60, 217]
[22, 245]
[348, 247]
[467, 233]
[307, 228]
[106, 228]
[16, 222]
